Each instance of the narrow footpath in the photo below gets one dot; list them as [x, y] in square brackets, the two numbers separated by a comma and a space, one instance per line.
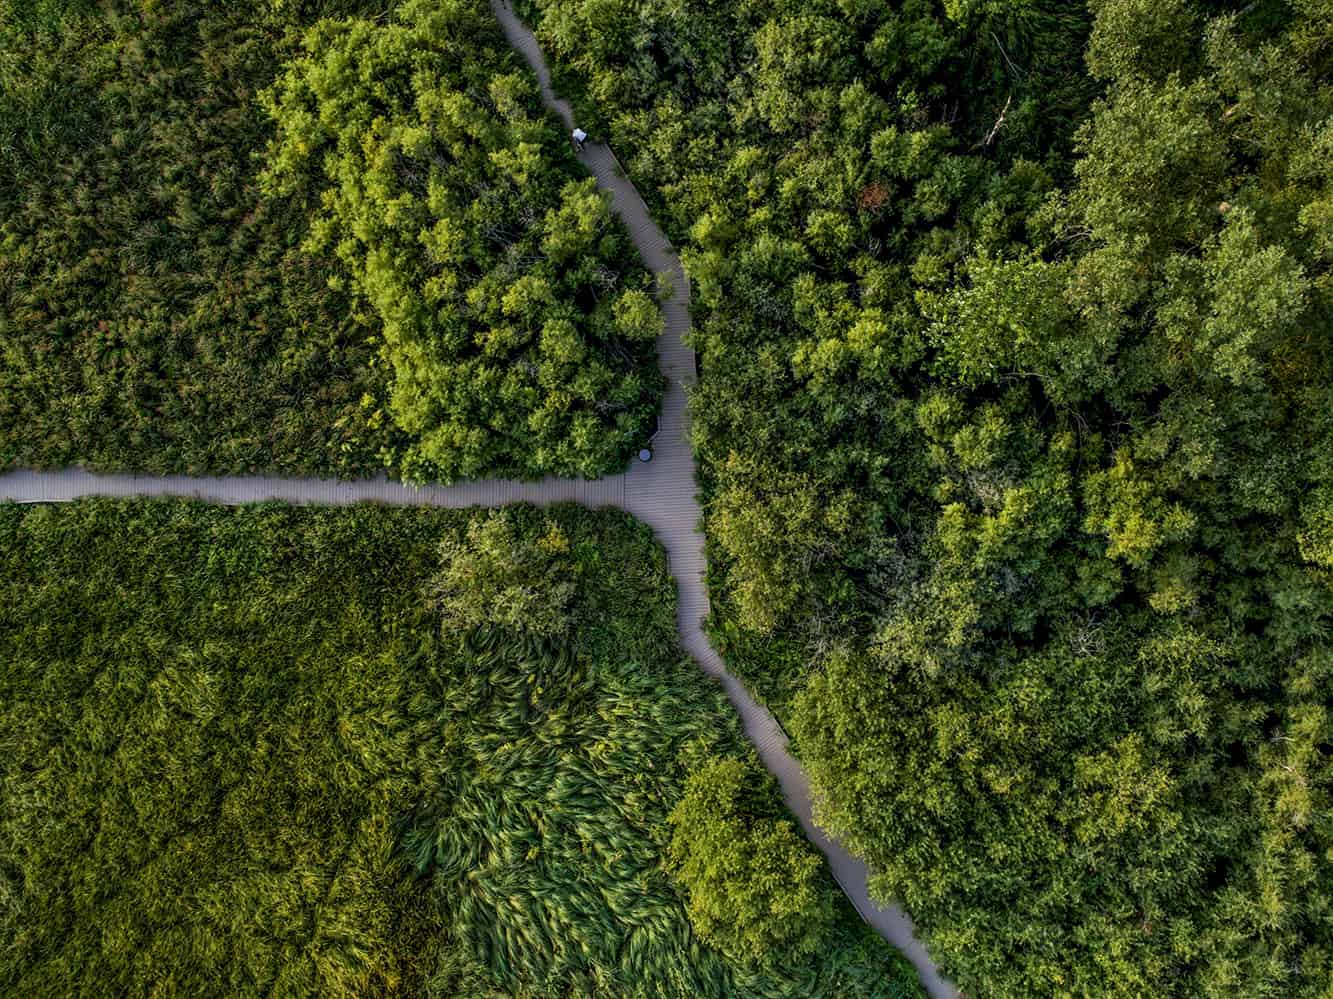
[661, 492]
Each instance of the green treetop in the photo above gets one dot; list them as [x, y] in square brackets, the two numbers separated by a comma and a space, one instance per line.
[514, 313]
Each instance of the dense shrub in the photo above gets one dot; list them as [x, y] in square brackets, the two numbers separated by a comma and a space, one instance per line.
[155, 312]
[1015, 422]
[752, 881]
[488, 575]
[516, 318]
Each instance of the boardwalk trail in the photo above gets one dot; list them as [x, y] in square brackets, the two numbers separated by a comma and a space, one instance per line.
[660, 492]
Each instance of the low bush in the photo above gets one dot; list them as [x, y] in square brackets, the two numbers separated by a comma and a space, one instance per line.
[753, 882]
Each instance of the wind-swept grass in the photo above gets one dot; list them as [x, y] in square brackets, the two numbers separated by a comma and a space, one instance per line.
[240, 757]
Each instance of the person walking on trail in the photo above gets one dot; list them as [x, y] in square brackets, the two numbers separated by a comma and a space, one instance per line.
[580, 137]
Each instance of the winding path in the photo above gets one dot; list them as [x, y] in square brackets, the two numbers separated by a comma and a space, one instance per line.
[660, 493]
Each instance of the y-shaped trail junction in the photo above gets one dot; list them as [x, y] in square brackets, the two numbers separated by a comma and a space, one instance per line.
[660, 492]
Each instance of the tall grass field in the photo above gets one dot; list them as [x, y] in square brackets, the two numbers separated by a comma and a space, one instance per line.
[256, 752]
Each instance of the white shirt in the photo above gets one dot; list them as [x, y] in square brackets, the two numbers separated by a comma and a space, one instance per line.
[580, 135]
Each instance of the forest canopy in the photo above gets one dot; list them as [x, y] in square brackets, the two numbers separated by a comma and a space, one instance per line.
[1016, 417]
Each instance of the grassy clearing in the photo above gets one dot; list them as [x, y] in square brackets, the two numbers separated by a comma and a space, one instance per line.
[241, 757]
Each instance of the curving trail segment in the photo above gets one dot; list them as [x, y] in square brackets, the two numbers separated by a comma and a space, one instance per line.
[660, 493]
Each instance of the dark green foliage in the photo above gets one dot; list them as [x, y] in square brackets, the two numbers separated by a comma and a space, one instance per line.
[516, 319]
[1017, 425]
[155, 313]
[240, 756]
[704, 99]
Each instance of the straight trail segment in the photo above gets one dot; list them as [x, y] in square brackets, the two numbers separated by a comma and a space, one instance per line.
[661, 492]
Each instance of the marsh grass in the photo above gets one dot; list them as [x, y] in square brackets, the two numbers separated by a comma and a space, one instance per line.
[240, 757]
[156, 313]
